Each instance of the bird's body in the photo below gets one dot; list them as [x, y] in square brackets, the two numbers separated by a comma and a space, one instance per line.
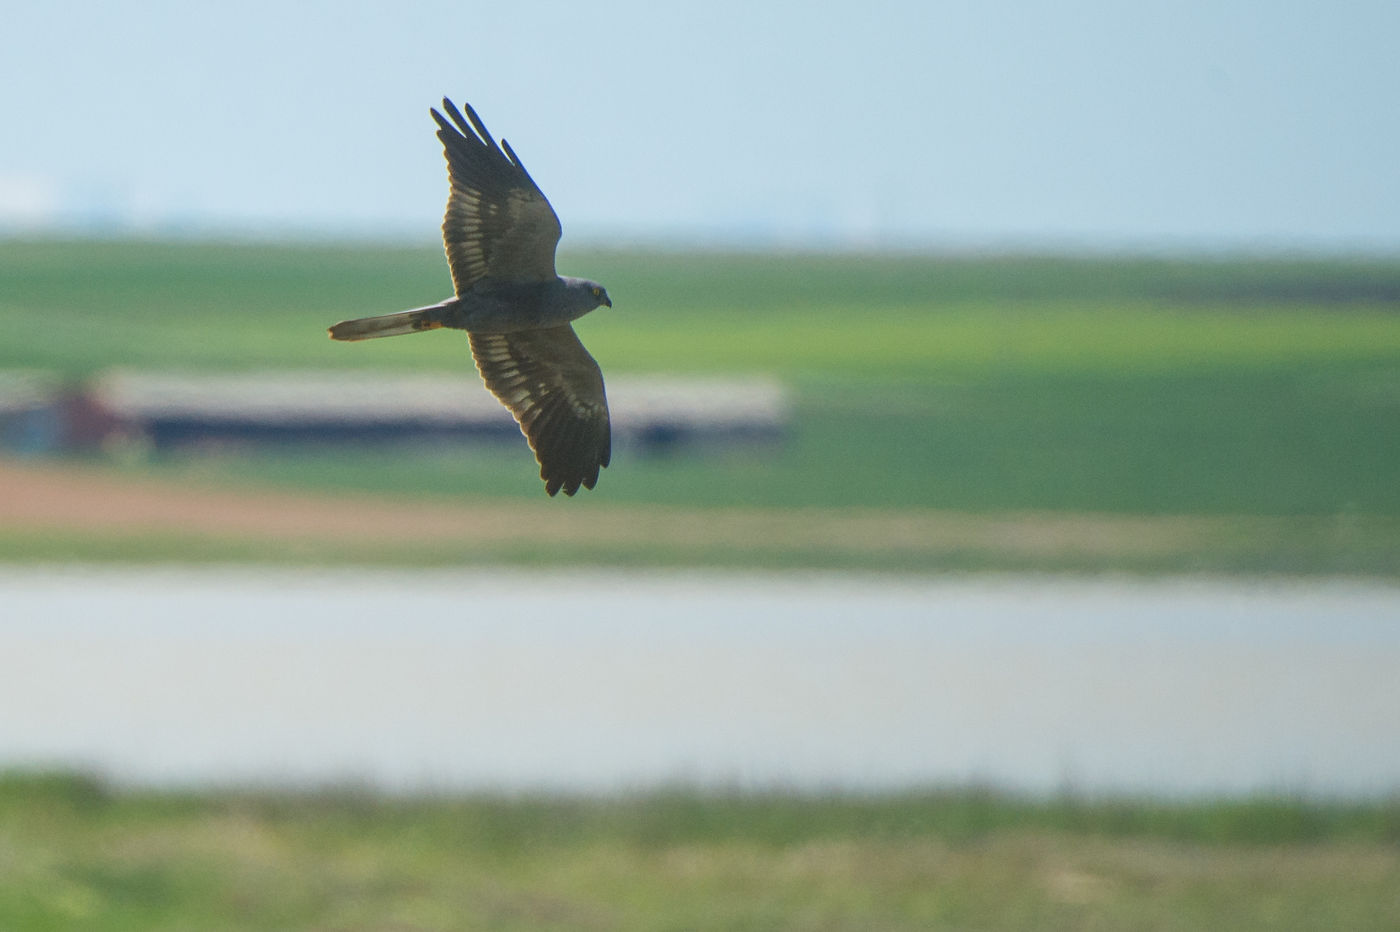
[489, 307]
[500, 234]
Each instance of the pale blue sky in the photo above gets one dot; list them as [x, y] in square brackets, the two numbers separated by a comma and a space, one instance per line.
[1096, 124]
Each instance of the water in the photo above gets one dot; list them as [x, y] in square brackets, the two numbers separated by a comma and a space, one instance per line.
[600, 680]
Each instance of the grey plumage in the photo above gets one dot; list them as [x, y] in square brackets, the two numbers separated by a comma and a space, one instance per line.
[500, 234]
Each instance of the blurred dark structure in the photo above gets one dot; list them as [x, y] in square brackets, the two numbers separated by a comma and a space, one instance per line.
[33, 413]
[165, 411]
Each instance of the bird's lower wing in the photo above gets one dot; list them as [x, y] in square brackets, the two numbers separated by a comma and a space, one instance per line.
[555, 390]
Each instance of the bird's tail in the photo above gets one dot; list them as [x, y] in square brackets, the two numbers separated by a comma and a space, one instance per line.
[389, 325]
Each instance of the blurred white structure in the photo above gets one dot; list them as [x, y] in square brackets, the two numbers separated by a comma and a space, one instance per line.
[176, 408]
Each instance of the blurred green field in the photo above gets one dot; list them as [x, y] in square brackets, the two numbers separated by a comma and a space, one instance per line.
[80, 306]
[77, 854]
[970, 384]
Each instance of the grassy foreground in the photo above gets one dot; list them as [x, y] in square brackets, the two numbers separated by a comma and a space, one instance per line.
[76, 854]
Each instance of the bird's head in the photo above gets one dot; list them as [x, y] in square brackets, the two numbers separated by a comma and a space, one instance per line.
[583, 295]
[600, 294]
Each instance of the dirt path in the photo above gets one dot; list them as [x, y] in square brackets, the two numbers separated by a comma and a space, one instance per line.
[37, 497]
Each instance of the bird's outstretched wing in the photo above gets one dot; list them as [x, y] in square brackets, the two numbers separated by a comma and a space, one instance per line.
[498, 222]
[555, 390]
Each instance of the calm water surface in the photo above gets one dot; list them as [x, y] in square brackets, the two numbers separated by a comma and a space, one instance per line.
[601, 680]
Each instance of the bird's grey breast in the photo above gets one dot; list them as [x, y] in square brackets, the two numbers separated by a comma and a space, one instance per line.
[502, 308]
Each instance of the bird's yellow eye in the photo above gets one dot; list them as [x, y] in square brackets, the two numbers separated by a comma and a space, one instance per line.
[597, 292]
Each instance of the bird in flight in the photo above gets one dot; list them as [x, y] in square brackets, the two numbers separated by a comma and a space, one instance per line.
[500, 234]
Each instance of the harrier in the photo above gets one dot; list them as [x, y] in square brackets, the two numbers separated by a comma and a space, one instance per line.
[500, 234]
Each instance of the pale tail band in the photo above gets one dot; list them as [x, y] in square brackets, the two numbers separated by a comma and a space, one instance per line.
[388, 325]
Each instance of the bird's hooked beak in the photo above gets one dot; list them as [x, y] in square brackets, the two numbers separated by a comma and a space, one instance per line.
[607, 302]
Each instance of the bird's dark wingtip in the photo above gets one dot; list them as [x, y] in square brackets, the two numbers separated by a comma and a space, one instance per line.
[457, 124]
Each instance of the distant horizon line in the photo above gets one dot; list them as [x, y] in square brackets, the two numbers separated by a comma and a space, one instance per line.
[736, 239]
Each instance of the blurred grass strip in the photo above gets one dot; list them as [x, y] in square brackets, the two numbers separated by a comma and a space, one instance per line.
[291, 530]
[79, 853]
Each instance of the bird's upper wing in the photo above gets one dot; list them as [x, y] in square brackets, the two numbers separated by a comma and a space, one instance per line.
[555, 390]
[498, 222]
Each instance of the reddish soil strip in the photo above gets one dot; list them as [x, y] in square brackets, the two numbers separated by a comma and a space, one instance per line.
[74, 498]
